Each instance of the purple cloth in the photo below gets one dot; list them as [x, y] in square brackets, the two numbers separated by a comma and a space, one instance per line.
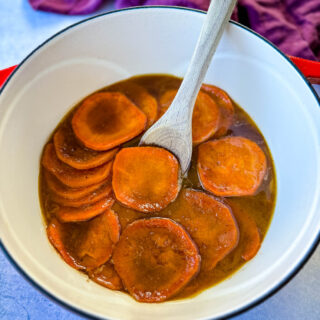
[67, 6]
[292, 25]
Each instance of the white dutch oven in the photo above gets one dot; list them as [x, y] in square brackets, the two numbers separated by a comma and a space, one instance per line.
[110, 47]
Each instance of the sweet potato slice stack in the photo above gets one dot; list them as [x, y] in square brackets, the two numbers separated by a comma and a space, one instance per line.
[145, 178]
[102, 192]
[60, 190]
[81, 194]
[72, 177]
[105, 120]
[232, 166]
[155, 258]
[205, 118]
[85, 212]
[86, 245]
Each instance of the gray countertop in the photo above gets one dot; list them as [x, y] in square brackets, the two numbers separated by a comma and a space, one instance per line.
[21, 30]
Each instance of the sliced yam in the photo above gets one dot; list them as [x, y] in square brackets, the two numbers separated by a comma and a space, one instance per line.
[250, 239]
[145, 178]
[85, 245]
[104, 191]
[226, 107]
[63, 191]
[72, 177]
[71, 214]
[155, 258]
[205, 118]
[232, 166]
[105, 120]
[69, 151]
[102, 233]
[209, 222]
[140, 97]
[55, 232]
[106, 276]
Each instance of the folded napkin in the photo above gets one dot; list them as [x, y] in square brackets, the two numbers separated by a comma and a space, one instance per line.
[292, 25]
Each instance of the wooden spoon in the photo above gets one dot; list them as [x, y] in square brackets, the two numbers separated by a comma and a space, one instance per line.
[173, 131]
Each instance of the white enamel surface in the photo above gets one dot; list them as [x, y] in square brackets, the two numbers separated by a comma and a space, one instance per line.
[113, 47]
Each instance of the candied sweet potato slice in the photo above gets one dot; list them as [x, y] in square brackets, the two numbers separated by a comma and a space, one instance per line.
[145, 178]
[103, 232]
[72, 177]
[102, 192]
[55, 232]
[209, 222]
[71, 214]
[69, 151]
[85, 245]
[226, 107]
[232, 166]
[61, 190]
[250, 239]
[155, 258]
[205, 118]
[140, 97]
[106, 276]
[105, 120]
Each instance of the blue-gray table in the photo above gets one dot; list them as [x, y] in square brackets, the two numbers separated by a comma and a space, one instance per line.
[21, 30]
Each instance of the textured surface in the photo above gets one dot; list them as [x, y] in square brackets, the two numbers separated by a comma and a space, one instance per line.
[21, 30]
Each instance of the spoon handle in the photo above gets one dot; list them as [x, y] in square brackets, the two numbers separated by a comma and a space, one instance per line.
[217, 17]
